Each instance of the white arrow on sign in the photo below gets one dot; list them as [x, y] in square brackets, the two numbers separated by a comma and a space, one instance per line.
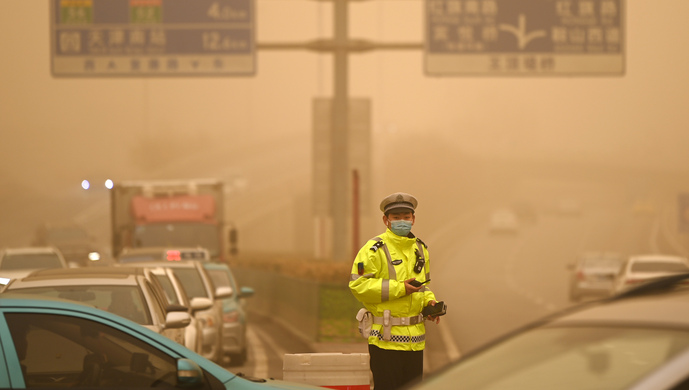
[523, 38]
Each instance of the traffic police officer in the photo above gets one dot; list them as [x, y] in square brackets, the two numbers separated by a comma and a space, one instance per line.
[381, 280]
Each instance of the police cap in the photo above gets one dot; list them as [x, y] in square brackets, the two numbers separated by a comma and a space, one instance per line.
[398, 200]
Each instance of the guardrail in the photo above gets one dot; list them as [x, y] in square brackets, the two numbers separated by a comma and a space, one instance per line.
[314, 311]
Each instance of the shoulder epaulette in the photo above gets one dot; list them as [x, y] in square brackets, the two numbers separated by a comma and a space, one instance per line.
[377, 245]
[422, 243]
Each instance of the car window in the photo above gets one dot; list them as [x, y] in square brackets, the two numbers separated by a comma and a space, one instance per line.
[125, 301]
[159, 303]
[62, 351]
[193, 284]
[566, 358]
[219, 278]
[168, 288]
[30, 261]
[657, 266]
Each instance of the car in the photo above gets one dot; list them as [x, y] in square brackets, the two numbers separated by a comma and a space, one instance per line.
[234, 317]
[19, 262]
[127, 292]
[642, 268]
[503, 221]
[53, 343]
[593, 274]
[637, 340]
[73, 240]
[175, 293]
[197, 284]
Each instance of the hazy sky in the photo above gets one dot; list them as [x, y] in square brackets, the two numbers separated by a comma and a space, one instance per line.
[56, 130]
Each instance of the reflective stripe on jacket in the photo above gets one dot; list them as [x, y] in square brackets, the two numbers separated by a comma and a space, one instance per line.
[381, 287]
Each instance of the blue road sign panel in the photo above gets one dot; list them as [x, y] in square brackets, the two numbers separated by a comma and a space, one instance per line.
[153, 38]
[524, 37]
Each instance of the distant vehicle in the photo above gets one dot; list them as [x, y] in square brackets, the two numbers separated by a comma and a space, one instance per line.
[635, 341]
[187, 213]
[19, 262]
[197, 284]
[593, 274]
[503, 221]
[643, 268]
[53, 343]
[127, 292]
[234, 316]
[74, 242]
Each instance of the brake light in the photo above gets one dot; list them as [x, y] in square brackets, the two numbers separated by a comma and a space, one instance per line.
[173, 255]
[633, 281]
[581, 276]
[232, 316]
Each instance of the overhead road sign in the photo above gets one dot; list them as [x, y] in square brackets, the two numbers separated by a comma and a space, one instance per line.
[524, 37]
[152, 38]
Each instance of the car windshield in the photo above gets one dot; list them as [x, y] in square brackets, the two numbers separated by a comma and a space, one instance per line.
[30, 261]
[658, 266]
[602, 263]
[574, 358]
[125, 301]
[192, 282]
[178, 235]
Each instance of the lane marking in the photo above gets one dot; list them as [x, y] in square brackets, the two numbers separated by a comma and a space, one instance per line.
[259, 354]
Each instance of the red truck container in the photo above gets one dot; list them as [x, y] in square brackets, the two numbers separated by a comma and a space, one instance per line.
[185, 213]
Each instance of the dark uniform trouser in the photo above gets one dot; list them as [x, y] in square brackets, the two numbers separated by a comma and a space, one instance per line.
[393, 369]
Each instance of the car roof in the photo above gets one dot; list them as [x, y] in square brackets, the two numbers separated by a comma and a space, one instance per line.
[30, 250]
[65, 276]
[658, 258]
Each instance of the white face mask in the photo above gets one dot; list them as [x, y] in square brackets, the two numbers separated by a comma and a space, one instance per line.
[401, 227]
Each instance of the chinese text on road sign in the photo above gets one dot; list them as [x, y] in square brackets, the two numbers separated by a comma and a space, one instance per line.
[524, 37]
[152, 37]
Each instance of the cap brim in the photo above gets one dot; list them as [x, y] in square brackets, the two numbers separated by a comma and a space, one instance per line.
[401, 207]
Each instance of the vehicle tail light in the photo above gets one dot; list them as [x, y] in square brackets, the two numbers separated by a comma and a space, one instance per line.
[633, 281]
[173, 255]
[230, 317]
[581, 275]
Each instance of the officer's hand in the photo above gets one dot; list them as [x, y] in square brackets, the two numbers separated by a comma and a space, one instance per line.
[409, 288]
[432, 318]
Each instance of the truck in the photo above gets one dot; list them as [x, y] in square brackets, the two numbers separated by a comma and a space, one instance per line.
[182, 213]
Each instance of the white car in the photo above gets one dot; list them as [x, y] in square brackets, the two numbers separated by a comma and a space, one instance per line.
[128, 292]
[197, 284]
[176, 294]
[19, 262]
[643, 268]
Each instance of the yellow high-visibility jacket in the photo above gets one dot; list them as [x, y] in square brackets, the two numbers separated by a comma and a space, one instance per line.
[381, 287]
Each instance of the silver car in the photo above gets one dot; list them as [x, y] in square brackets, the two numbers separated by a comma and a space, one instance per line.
[127, 292]
[638, 340]
[197, 284]
[175, 293]
[19, 262]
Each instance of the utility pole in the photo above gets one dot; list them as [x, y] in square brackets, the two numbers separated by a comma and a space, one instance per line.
[341, 46]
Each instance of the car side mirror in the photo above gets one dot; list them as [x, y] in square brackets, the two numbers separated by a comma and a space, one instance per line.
[223, 292]
[177, 319]
[200, 303]
[189, 373]
[246, 292]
